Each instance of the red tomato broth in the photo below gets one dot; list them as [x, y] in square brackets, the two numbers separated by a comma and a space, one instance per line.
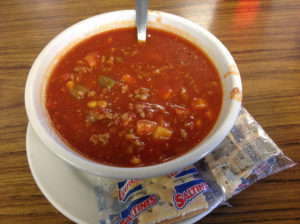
[122, 103]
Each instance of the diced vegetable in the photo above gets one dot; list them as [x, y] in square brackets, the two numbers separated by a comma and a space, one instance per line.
[92, 104]
[119, 59]
[162, 133]
[110, 60]
[199, 104]
[91, 93]
[129, 79]
[91, 58]
[130, 136]
[106, 82]
[70, 85]
[145, 127]
[103, 59]
[102, 103]
[135, 160]
[78, 91]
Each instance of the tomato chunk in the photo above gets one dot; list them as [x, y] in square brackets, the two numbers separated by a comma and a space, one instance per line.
[91, 59]
[162, 133]
[145, 127]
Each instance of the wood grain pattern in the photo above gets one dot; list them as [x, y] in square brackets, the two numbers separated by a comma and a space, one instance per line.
[263, 37]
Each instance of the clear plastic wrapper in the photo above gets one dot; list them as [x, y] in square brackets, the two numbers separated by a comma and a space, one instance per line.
[245, 156]
[165, 199]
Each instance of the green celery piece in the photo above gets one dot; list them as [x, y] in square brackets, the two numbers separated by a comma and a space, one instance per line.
[106, 82]
[78, 91]
[119, 59]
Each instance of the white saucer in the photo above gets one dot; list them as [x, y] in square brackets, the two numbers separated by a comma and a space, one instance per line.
[68, 189]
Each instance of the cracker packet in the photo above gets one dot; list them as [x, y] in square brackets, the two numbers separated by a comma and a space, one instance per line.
[165, 199]
[245, 156]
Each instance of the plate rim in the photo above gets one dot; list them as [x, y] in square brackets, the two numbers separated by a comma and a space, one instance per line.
[60, 208]
[50, 199]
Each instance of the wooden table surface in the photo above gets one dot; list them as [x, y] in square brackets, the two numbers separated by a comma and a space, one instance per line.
[263, 37]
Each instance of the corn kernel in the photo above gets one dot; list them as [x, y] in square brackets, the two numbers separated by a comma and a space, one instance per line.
[92, 104]
[70, 85]
[102, 103]
[135, 160]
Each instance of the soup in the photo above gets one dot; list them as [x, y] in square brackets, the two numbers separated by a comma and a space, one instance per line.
[123, 103]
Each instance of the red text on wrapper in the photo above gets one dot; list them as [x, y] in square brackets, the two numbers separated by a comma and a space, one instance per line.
[127, 188]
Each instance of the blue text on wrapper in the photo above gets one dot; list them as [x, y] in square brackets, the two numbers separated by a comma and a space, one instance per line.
[137, 207]
[186, 192]
[177, 174]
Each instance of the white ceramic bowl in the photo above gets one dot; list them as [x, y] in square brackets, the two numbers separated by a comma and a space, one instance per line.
[44, 63]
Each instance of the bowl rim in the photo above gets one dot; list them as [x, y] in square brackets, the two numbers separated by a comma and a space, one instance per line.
[90, 166]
